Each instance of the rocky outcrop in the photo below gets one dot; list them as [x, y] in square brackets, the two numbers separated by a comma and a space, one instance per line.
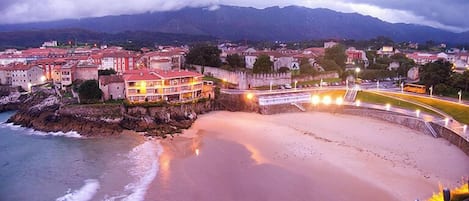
[45, 112]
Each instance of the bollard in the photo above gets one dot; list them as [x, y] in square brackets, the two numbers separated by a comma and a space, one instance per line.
[446, 195]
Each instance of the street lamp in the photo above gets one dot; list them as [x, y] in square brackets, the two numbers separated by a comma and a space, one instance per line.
[357, 70]
[460, 94]
[431, 91]
[377, 85]
[402, 87]
[296, 82]
[320, 83]
[271, 85]
[417, 112]
[346, 84]
[388, 106]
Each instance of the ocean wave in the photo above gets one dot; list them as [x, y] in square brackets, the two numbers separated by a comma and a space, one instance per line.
[29, 131]
[85, 193]
[145, 163]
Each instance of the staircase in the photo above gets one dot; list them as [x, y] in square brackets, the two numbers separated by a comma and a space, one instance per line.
[300, 107]
[430, 128]
[350, 95]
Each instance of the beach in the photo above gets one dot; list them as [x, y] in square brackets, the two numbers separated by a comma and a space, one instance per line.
[303, 156]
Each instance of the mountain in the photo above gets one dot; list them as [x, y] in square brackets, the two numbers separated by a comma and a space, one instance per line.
[35, 38]
[238, 23]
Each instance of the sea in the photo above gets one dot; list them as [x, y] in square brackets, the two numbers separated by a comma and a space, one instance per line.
[40, 166]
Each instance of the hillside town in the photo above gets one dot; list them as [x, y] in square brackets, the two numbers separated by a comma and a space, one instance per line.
[163, 75]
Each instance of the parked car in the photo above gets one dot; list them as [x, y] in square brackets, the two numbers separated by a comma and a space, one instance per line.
[288, 86]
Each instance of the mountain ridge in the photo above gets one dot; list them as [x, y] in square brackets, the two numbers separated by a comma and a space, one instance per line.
[290, 23]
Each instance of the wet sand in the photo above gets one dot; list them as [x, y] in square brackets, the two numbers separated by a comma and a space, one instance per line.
[303, 156]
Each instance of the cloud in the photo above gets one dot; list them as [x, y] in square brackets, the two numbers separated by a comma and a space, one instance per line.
[450, 15]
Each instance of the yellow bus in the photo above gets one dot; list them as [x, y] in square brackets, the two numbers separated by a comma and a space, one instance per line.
[416, 88]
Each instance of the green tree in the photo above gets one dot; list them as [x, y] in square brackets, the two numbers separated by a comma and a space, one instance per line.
[89, 91]
[283, 69]
[405, 64]
[204, 55]
[336, 54]
[107, 72]
[329, 65]
[235, 61]
[262, 64]
[438, 72]
[306, 68]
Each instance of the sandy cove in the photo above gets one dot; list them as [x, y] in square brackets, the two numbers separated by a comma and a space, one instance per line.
[304, 156]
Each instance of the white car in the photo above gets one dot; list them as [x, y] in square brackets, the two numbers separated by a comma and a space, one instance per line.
[288, 86]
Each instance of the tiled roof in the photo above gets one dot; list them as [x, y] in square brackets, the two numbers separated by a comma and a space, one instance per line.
[146, 74]
[108, 79]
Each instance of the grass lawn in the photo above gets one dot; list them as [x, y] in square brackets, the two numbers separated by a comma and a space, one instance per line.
[373, 98]
[457, 111]
[333, 93]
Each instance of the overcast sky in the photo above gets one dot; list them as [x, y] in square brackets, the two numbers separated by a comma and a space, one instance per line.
[446, 14]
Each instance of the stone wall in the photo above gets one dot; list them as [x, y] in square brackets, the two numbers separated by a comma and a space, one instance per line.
[246, 80]
[324, 75]
[452, 137]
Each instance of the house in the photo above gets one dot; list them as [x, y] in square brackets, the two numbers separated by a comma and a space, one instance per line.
[66, 73]
[112, 86]
[422, 58]
[51, 68]
[120, 61]
[85, 70]
[25, 76]
[394, 65]
[330, 44]
[278, 59]
[5, 75]
[387, 51]
[152, 85]
[355, 56]
[167, 59]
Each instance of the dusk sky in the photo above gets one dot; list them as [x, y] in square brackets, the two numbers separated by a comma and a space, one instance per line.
[450, 15]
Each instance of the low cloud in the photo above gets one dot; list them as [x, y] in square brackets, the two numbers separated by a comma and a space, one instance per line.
[449, 15]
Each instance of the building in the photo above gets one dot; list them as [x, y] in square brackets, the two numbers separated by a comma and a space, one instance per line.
[120, 61]
[112, 86]
[50, 44]
[422, 58]
[355, 56]
[168, 59]
[413, 74]
[66, 73]
[387, 51]
[26, 76]
[329, 44]
[52, 68]
[150, 85]
[85, 70]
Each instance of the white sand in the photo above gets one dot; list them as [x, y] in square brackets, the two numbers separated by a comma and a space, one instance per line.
[305, 156]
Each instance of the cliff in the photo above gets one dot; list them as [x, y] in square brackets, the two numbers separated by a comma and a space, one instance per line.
[45, 112]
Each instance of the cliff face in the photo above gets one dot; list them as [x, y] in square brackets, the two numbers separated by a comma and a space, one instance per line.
[45, 112]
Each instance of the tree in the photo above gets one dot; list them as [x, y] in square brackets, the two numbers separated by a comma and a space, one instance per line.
[336, 54]
[235, 61]
[204, 55]
[438, 72]
[329, 65]
[106, 72]
[305, 67]
[89, 91]
[262, 64]
[405, 64]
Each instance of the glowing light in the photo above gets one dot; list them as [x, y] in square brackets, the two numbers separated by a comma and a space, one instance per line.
[197, 152]
[464, 128]
[417, 112]
[43, 78]
[224, 79]
[315, 99]
[327, 100]
[358, 103]
[339, 101]
[388, 106]
[357, 70]
[446, 121]
[249, 96]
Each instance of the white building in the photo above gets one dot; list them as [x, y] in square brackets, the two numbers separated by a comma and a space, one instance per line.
[26, 76]
[329, 44]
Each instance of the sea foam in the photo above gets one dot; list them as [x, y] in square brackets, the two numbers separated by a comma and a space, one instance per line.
[85, 193]
[29, 131]
[144, 159]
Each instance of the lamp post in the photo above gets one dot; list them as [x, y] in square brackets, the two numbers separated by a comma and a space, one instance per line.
[460, 94]
[431, 91]
[346, 84]
[357, 70]
[402, 87]
[271, 85]
[320, 83]
[377, 85]
[296, 82]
